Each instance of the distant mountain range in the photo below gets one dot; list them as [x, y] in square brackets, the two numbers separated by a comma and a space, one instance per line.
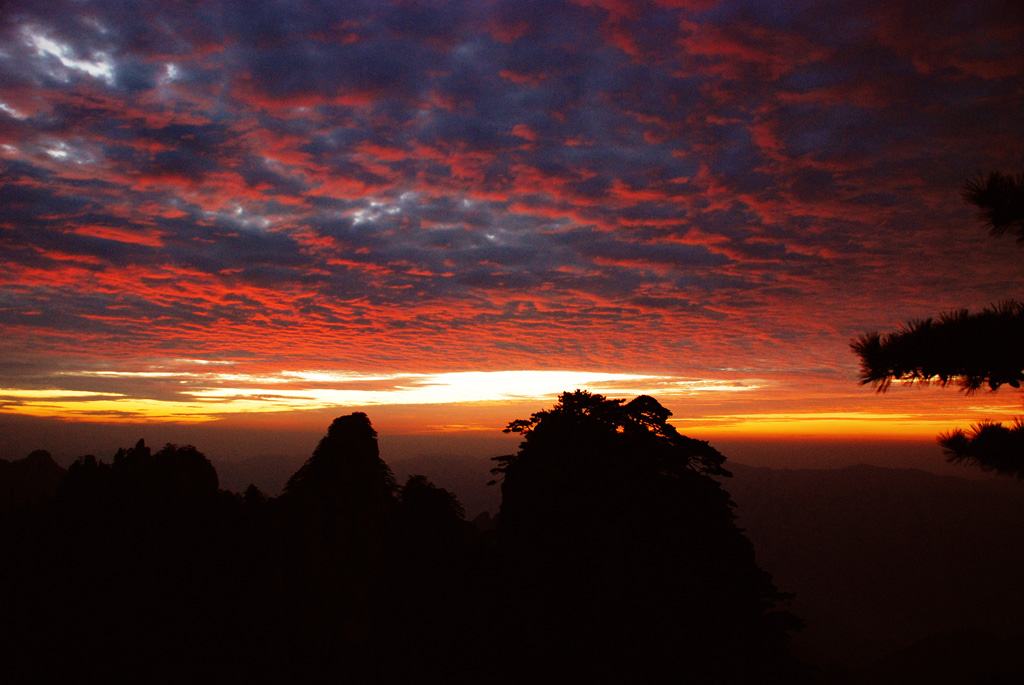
[890, 564]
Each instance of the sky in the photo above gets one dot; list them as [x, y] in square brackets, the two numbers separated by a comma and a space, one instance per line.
[266, 214]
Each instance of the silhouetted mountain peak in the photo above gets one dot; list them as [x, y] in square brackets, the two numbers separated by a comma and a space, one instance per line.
[39, 459]
[185, 470]
[29, 481]
[347, 460]
[352, 427]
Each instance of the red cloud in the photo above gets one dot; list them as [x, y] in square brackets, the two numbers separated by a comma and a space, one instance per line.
[149, 238]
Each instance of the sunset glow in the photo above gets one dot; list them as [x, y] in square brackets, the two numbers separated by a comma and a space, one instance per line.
[217, 394]
[234, 211]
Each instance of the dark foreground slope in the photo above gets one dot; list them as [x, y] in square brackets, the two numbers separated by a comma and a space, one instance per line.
[895, 571]
[615, 558]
